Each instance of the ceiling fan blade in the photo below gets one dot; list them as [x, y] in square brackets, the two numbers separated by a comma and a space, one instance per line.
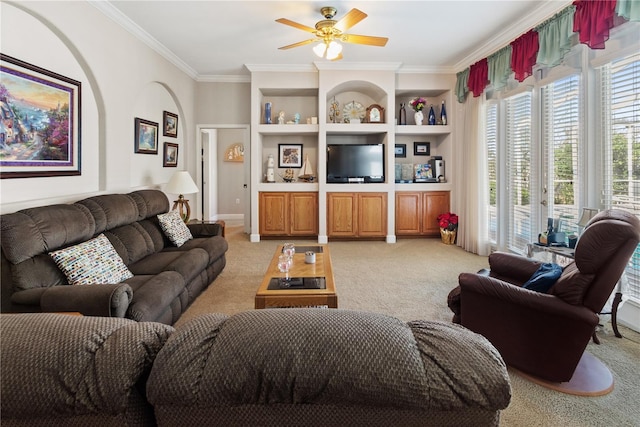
[302, 43]
[369, 40]
[302, 27]
[350, 19]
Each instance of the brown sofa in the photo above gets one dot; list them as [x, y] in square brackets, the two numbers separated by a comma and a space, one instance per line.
[166, 278]
[274, 367]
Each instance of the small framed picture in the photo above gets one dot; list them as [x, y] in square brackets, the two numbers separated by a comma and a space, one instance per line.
[401, 150]
[169, 124]
[421, 148]
[146, 141]
[170, 157]
[289, 155]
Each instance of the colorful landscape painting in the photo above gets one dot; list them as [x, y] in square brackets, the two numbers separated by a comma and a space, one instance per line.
[37, 126]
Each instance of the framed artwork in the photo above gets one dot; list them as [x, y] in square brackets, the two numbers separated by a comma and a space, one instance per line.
[146, 141]
[401, 150]
[421, 148]
[170, 156]
[40, 121]
[289, 155]
[169, 124]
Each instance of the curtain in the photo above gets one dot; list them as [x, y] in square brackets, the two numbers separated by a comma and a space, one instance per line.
[471, 198]
[461, 85]
[554, 37]
[593, 20]
[524, 52]
[628, 9]
[500, 67]
[478, 77]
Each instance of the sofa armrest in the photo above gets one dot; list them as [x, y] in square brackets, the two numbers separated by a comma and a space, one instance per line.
[206, 229]
[512, 268]
[90, 300]
[77, 370]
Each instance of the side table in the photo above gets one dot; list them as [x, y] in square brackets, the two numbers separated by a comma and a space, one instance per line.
[200, 221]
[568, 253]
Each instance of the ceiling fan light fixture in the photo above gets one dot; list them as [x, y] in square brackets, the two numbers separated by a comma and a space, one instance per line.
[320, 49]
[333, 50]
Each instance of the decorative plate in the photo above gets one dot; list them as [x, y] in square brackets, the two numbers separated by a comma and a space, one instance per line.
[353, 110]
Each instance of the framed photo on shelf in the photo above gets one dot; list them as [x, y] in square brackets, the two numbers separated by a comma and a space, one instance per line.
[40, 121]
[170, 156]
[401, 150]
[421, 148]
[169, 124]
[146, 137]
[289, 155]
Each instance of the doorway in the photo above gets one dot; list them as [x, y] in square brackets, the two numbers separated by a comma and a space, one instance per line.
[224, 179]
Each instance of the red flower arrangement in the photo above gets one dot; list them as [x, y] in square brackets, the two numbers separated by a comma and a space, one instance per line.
[448, 221]
[418, 103]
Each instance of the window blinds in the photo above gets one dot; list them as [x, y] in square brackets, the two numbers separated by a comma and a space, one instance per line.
[561, 143]
[620, 100]
[491, 137]
[519, 144]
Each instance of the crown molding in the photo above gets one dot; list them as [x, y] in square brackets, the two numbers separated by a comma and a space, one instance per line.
[545, 11]
[417, 69]
[346, 65]
[217, 78]
[281, 67]
[118, 17]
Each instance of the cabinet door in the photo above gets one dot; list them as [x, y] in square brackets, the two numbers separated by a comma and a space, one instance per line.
[372, 214]
[304, 214]
[274, 214]
[341, 214]
[433, 204]
[408, 213]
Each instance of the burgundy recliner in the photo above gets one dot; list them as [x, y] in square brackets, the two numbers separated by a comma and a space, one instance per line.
[545, 334]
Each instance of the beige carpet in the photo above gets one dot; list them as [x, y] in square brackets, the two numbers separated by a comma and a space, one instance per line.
[410, 280]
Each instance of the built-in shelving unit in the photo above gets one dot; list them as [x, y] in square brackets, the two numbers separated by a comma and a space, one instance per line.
[311, 95]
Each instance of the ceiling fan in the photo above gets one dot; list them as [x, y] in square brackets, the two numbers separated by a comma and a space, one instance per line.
[329, 32]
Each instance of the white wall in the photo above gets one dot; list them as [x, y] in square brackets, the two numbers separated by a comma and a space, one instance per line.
[121, 79]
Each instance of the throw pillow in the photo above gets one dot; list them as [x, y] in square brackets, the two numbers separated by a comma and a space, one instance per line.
[544, 278]
[92, 262]
[174, 228]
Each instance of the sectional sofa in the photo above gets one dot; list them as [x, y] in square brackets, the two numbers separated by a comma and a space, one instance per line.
[273, 367]
[142, 274]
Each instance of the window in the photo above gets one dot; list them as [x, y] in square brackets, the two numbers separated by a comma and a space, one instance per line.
[491, 137]
[519, 144]
[620, 99]
[560, 142]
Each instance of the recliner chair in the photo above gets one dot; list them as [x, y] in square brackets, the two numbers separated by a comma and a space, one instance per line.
[545, 334]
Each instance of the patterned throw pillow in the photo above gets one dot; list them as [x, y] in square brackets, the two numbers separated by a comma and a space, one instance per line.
[92, 262]
[174, 227]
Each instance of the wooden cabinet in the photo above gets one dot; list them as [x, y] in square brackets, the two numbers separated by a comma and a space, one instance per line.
[357, 215]
[288, 213]
[417, 212]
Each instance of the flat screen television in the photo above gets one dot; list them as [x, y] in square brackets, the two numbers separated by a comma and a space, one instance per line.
[360, 163]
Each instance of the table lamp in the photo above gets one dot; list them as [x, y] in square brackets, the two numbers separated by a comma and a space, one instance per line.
[587, 214]
[181, 183]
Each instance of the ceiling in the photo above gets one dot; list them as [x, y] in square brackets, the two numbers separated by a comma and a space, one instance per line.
[215, 40]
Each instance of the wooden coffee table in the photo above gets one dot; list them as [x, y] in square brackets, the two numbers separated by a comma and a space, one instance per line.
[319, 288]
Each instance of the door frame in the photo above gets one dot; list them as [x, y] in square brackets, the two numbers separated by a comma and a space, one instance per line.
[203, 129]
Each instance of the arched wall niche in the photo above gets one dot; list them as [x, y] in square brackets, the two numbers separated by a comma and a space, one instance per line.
[31, 37]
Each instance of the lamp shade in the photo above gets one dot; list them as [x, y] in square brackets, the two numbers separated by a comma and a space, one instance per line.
[586, 216]
[181, 183]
